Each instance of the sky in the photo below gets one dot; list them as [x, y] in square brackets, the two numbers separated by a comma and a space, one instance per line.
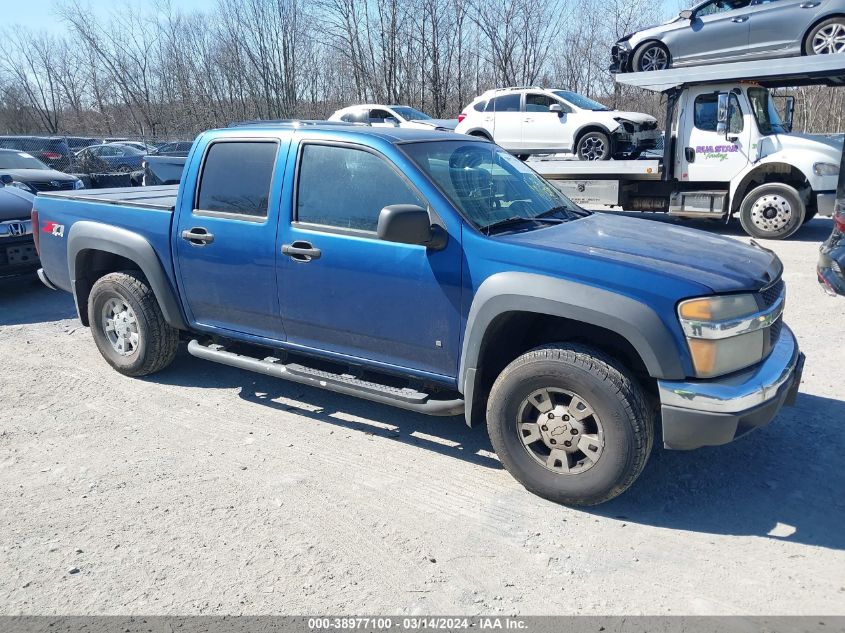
[38, 14]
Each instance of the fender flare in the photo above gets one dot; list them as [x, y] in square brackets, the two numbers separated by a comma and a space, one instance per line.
[86, 235]
[526, 292]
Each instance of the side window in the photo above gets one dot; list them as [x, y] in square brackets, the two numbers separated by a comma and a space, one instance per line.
[505, 103]
[706, 113]
[479, 106]
[236, 177]
[537, 102]
[721, 6]
[382, 116]
[362, 184]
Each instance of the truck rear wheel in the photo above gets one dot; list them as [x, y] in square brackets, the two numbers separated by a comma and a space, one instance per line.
[128, 325]
[570, 424]
[772, 211]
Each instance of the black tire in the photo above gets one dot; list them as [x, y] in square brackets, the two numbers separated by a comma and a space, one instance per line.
[647, 56]
[594, 145]
[523, 157]
[157, 343]
[810, 214]
[782, 202]
[614, 397]
[809, 49]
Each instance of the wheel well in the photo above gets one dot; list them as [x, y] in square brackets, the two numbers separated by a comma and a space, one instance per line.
[481, 134]
[513, 333]
[814, 25]
[95, 264]
[590, 128]
[767, 173]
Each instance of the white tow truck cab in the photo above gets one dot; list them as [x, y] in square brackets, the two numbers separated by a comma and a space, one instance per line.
[726, 150]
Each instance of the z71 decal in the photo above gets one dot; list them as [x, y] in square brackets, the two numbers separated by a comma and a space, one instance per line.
[54, 229]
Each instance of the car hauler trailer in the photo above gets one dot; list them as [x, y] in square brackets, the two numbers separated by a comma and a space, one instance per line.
[726, 150]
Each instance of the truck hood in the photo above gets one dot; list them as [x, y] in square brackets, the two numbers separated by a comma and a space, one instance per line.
[720, 263]
[15, 204]
[827, 149]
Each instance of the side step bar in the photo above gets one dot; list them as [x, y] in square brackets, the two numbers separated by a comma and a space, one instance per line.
[403, 398]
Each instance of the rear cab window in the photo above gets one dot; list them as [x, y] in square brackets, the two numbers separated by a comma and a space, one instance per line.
[236, 178]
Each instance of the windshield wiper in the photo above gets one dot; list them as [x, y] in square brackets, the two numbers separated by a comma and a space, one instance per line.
[518, 219]
[565, 208]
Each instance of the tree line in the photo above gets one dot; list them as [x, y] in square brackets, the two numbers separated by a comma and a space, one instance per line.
[154, 71]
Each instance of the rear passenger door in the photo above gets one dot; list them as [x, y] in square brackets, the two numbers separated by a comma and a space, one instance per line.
[355, 295]
[225, 238]
[507, 120]
[778, 25]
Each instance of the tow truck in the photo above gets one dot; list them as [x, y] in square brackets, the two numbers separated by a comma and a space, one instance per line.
[726, 150]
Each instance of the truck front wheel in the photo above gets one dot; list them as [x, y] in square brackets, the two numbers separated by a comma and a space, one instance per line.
[772, 211]
[570, 424]
[128, 325]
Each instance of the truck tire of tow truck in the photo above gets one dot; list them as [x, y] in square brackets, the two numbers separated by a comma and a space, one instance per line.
[570, 424]
[128, 326]
[772, 211]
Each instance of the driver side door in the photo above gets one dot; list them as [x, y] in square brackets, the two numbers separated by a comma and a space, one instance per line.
[545, 130]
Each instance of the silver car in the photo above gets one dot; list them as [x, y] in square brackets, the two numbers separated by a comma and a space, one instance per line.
[735, 30]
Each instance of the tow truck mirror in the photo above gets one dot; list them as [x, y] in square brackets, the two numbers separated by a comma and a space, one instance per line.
[722, 114]
[789, 113]
[686, 14]
[409, 224]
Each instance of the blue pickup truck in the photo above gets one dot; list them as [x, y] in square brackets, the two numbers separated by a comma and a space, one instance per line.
[438, 274]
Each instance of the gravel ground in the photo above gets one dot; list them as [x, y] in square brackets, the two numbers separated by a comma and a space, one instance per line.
[205, 489]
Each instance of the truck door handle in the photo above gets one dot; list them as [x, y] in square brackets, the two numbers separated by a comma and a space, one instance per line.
[809, 5]
[689, 154]
[740, 19]
[198, 236]
[301, 251]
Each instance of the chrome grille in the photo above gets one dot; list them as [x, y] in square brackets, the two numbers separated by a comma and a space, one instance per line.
[55, 185]
[771, 294]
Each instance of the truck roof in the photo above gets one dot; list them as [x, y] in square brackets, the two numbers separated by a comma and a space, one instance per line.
[815, 70]
[389, 134]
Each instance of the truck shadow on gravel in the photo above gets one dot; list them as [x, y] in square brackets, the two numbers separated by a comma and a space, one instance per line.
[447, 436]
[25, 300]
[784, 482]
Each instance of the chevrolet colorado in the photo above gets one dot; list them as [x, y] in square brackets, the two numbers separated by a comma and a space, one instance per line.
[439, 274]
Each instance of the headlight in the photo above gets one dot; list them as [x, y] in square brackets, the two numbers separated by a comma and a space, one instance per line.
[78, 184]
[24, 186]
[726, 333]
[826, 169]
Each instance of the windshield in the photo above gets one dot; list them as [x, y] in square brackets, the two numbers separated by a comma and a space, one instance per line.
[763, 107]
[580, 101]
[487, 184]
[410, 114]
[20, 160]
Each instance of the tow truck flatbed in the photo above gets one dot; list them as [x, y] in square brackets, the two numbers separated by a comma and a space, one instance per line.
[565, 169]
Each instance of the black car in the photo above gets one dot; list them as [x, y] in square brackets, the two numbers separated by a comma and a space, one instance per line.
[17, 249]
[30, 174]
[51, 150]
[177, 148]
[831, 268]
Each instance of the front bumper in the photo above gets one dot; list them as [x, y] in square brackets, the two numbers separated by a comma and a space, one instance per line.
[714, 412]
[619, 55]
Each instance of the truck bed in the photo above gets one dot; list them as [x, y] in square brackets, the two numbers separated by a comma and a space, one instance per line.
[161, 197]
[566, 169]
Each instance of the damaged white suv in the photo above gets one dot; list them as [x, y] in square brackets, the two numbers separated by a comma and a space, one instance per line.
[534, 120]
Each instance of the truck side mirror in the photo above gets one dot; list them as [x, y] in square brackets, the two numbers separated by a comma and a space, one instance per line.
[686, 14]
[722, 114]
[409, 224]
[789, 113]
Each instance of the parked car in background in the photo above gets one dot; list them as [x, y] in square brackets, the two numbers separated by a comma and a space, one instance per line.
[77, 143]
[735, 30]
[30, 174]
[176, 148]
[109, 157]
[17, 250]
[536, 120]
[391, 116]
[141, 147]
[51, 150]
[831, 267]
[162, 169]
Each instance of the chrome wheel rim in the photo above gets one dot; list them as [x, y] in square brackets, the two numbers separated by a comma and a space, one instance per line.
[560, 431]
[592, 148]
[120, 326]
[829, 40]
[771, 213]
[654, 58]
